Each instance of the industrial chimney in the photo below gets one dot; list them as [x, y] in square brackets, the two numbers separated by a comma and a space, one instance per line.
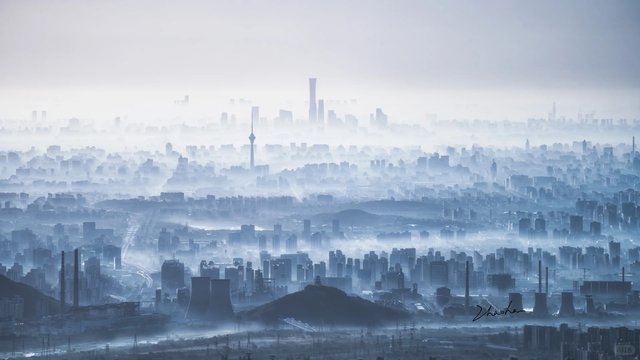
[546, 280]
[158, 300]
[540, 305]
[76, 278]
[466, 287]
[539, 276]
[62, 285]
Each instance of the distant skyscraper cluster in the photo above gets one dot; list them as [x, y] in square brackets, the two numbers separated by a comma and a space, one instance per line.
[316, 107]
[313, 109]
[255, 115]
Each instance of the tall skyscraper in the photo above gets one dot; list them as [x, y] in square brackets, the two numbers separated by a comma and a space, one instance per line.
[313, 111]
[255, 114]
[252, 138]
[320, 111]
[76, 278]
[171, 276]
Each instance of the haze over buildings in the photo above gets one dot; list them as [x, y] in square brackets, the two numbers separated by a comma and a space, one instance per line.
[422, 57]
[375, 180]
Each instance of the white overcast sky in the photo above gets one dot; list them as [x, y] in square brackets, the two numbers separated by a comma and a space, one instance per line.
[359, 45]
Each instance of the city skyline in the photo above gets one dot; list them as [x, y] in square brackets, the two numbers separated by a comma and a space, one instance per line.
[449, 59]
[283, 179]
[547, 43]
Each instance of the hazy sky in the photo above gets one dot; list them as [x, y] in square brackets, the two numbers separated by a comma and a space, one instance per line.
[359, 45]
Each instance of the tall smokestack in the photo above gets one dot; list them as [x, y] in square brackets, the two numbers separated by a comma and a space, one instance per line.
[466, 287]
[62, 284]
[158, 299]
[546, 279]
[539, 276]
[540, 304]
[76, 278]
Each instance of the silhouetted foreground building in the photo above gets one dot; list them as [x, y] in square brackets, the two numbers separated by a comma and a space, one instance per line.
[595, 343]
[117, 317]
[210, 300]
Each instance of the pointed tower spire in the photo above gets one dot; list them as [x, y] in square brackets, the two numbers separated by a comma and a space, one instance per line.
[252, 137]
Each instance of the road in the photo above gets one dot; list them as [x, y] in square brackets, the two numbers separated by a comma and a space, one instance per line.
[134, 229]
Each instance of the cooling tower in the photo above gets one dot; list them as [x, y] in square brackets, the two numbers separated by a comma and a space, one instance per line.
[566, 306]
[199, 302]
[590, 308]
[220, 300]
[540, 306]
[516, 301]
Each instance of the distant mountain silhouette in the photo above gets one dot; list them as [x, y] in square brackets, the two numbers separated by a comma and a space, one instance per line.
[324, 305]
[403, 207]
[352, 217]
[36, 304]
